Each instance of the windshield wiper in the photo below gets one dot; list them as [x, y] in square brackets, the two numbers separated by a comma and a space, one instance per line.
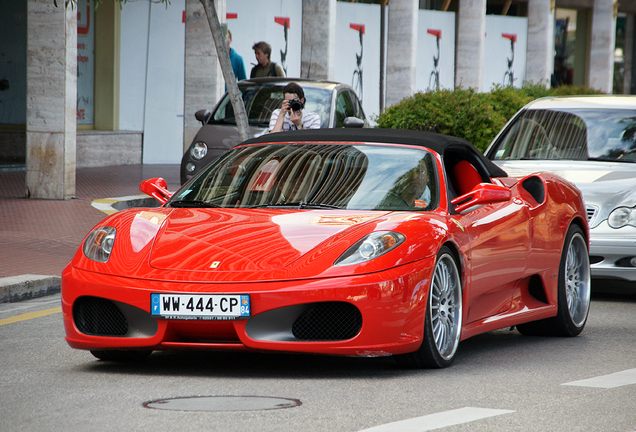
[257, 122]
[194, 203]
[604, 159]
[297, 204]
[223, 121]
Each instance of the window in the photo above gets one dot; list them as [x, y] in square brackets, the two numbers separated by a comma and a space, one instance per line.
[344, 108]
[354, 177]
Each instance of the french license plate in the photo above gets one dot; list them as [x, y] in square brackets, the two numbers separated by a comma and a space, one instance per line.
[200, 306]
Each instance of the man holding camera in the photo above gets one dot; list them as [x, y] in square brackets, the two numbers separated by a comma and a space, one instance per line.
[293, 118]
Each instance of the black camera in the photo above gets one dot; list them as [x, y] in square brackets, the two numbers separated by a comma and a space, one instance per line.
[296, 105]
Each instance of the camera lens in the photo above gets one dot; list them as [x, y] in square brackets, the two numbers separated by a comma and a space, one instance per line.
[295, 105]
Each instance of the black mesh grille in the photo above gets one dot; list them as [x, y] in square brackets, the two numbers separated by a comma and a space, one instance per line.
[328, 321]
[99, 317]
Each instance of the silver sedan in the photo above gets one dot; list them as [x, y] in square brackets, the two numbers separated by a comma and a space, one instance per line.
[591, 141]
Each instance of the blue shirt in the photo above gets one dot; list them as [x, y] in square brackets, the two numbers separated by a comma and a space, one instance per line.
[237, 65]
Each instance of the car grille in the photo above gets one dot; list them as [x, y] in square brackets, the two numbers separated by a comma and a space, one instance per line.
[99, 317]
[591, 212]
[328, 321]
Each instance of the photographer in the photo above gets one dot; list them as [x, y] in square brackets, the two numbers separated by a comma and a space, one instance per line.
[293, 117]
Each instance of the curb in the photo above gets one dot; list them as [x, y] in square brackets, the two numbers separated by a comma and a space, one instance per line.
[28, 286]
[113, 205]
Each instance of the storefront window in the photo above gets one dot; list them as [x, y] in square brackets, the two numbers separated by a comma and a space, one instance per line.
[619, 55]
[85, 62]
[564, 43]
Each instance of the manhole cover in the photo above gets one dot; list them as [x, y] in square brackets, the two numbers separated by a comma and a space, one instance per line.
[223, 403]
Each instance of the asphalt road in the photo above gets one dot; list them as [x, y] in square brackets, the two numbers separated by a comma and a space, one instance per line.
[500, 381]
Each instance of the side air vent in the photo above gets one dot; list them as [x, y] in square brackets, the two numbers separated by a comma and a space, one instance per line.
[328, 321]
[99, 317]
[536, 289]
[535, 187]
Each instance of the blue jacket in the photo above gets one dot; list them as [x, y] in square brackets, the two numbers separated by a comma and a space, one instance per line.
[237, 65]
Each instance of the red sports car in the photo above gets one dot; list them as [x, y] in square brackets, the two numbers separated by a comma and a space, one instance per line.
[369, 242]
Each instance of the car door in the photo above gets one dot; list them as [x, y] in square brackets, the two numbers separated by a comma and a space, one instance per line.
[499, 239]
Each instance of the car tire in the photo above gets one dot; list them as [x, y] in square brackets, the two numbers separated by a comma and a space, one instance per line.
[574, 290]
[127, 356]
[443, 321]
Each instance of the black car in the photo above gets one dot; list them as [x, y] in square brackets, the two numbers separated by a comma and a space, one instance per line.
[337, 105]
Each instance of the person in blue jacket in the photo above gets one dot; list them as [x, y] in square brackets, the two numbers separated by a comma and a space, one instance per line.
[237, 61]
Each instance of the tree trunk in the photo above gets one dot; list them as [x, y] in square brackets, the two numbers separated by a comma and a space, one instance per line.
[226, 67]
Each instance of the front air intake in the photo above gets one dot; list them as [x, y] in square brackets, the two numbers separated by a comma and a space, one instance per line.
[591, 212]
[96, 316]
[329, 321]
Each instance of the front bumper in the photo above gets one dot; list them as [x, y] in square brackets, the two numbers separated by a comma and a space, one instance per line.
[611, 251]
[391, 305]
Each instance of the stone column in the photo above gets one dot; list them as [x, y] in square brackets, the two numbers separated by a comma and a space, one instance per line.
[401, 50]
[470, 35]
[204, 83]
[51, 100]
[540, 53]
[318, 40]
[601, 72]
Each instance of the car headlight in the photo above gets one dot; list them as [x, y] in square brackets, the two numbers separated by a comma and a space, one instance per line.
[622, 216]
[370, 247]
[199, 150]
[99, 244]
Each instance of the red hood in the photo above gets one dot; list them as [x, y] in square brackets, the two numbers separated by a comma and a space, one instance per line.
[240, 245]
[245, 240]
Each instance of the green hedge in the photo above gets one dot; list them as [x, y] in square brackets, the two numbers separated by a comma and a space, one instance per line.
[464, 113]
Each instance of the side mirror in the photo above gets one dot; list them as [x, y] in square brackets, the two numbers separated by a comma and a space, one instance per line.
[156, 188]
[482, 194]
[353, 122]
[203, 116]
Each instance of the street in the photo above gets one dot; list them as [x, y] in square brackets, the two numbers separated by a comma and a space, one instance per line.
[500, 381]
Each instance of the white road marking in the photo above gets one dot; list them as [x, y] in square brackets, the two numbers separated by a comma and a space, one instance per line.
[618, 379]
[439, 420]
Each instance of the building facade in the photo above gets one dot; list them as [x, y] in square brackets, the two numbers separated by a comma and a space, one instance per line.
[83, 87]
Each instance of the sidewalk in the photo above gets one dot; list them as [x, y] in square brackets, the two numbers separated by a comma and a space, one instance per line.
[39, 237]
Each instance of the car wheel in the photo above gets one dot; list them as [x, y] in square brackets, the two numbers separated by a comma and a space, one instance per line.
[122, 355]
[443, 322]
[573, 291]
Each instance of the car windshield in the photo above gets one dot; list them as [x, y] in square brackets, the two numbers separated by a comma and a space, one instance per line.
[574, 134]
[261, 100]
[316, 175]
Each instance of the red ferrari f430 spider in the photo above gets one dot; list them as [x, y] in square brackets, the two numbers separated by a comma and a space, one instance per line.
[366, 242]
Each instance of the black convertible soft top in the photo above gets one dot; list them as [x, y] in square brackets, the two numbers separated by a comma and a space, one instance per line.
[442, 144]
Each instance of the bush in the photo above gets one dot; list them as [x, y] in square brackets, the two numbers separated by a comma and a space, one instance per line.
[464, 113]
